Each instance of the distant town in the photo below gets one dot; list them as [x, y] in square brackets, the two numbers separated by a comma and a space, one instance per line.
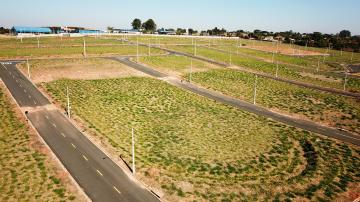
[340, 41]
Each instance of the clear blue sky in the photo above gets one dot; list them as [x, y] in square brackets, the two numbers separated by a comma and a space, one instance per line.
[329, 16]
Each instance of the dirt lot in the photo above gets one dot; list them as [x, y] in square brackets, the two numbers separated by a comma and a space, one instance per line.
[284, 49]
[94, 68]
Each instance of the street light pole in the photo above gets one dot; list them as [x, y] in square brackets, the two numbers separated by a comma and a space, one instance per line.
[28, 67]
[230, 56]
[277, 69]
[256, 77]
[68, 101]
[133, 150]
[84, 47]
[191, 65]
[195, 48]
[345, 80]
[137, 49]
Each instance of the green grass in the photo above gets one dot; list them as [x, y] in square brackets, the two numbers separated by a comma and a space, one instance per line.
[337, 111]
[10, 48]
[220, 152]
[26, 174]
[173, 64]
[284, 71]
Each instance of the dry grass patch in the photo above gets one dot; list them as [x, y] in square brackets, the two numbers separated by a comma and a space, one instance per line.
[92, 68]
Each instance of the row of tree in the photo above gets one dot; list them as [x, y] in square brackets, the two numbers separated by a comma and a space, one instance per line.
[340, 41]
[148, 26]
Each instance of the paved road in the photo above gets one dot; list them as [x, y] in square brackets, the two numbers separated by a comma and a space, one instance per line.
[298, 83]
[99, 176]
[306, 125]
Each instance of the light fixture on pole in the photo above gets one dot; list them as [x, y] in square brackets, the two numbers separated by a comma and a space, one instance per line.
[84, 44]
[133, 151]
[254, 101]
[68, 101]
[28, 67]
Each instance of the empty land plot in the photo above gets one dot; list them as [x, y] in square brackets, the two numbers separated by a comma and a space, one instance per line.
[53, 42]
[176, 65]
[192, 148]
[303, 62]
[325, 108]
[74, 48]
[284, 71]
[91, 68]
[26, 173]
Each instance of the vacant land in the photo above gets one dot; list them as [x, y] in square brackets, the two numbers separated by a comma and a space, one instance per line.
[192, 148]
[332, 110]
[69, 47]
[91, 68]
[284, 71]
[26, 172]
[177, 65]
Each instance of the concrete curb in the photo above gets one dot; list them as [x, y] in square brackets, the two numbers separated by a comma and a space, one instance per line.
[52, 155]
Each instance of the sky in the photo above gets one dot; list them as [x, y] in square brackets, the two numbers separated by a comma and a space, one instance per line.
[327, 16]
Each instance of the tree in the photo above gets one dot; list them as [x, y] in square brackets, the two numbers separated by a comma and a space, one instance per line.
[136, 24]
[149, 25]
[110, 29]
[180, 31]
[192, 31]
[345, 34]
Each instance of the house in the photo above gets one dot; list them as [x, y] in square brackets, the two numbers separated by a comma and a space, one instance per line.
[166, 31]
[126, 31]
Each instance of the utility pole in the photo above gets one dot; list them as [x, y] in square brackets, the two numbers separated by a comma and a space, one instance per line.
[352, 56]
[345, 80]
[28, 67]
[318, 65]
[68, 101]
[137, 49]
[277, 69]
[195, 48]
[230, 56]
[133, 150]
[341, 51]
[84, 51]
[191, 65]
[256, 77]
[149, 47]
[273, 55]
[38, 42]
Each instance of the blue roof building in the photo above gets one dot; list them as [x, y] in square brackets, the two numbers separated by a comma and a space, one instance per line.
[35, 30]
[89, 31]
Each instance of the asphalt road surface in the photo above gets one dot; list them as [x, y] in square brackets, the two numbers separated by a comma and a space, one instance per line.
[298, 83]
[303, 124]
[99, 176]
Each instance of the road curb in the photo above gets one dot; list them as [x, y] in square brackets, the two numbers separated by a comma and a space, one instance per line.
[52, 154]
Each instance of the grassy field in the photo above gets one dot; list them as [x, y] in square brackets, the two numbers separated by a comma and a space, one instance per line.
[332, 110]
[77, 68]
[196, 149]
[26, 173]
[285, 71]
[69, 47]
[176, 65]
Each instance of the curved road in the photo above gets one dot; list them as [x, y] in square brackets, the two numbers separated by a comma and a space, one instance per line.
[99, 176]
[299, 123]
[298, 83]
